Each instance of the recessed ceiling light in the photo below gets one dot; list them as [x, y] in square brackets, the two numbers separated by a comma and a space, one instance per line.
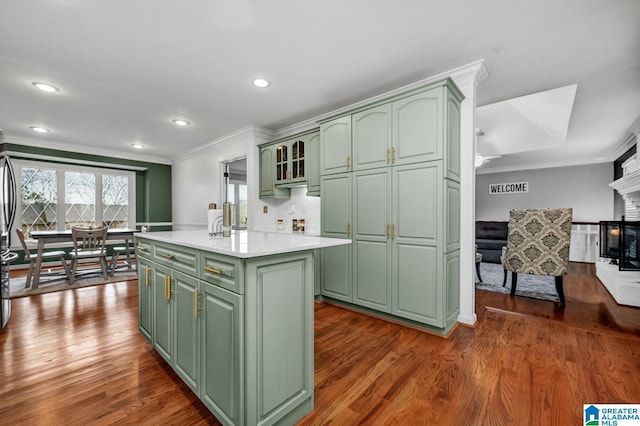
[39, 129]
[45, 87]
[180, 122]
[261, 83]
[137, 145]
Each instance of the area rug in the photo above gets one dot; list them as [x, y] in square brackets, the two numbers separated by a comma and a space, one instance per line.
[533, 286]
[58, 283]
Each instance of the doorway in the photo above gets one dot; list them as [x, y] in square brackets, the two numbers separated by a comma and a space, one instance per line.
[237, 192]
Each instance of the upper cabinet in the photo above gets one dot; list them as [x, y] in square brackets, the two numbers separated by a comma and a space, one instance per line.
[290, 162]
[372, 138]
[335, 146]
[268, 187]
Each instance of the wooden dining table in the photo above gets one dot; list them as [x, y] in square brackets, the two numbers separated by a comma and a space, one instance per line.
[48, 237]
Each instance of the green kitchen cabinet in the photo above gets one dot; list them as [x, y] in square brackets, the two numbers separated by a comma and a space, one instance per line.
[418, 127]
[163, 312]
[417, 247]
[145, 297]
[222, 352]
[313, 164]
[187, 329]
[291, 156]
[372, 239]
[268, 175]
[238, 331]
[372, 146]
[336, 262]
[335, 146]
[406, 206]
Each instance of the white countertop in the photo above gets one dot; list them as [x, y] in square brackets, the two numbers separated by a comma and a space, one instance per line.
[244, 244]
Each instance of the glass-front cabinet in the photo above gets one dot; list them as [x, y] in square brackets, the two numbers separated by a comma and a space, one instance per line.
[290, 165]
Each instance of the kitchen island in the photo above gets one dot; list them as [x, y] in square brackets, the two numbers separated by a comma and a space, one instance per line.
[234, 318]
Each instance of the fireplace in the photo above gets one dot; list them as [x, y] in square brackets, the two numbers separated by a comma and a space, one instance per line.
[620, 242]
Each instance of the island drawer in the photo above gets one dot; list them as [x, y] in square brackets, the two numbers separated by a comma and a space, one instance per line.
[143, 248]
[177, 257]
[224, 271]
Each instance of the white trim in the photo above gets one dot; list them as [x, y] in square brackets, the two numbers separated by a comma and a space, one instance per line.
[75, 148]
[67, 160]
[546, 165]
[156, 224]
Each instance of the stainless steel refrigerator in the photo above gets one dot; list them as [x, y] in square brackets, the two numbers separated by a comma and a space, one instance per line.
[7, 216]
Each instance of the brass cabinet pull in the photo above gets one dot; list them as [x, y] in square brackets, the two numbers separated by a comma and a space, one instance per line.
[388, 156]
[169, 256]
[348, 162]
[141, 248]
[147, 273]
[393, 155]
[348, 229]
[166, 283]
[393, 231]
[196, 304]
[388, 226]
[213, 270]
[272, 188]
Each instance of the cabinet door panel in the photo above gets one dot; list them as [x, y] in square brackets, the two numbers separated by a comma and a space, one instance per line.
[371, 247]
[335, 146]
[336, 205]
[372, 284]
[267, 170]
[163, 314]
[417, 127]
[416, 283]
[313, 165]
[372, 138]
[187, 357]
[453, 139]
[336, 272]
[417, 202]
[145, 297]
[222, 355]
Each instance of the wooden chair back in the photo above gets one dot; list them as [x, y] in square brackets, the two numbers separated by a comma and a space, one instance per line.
[87, 241]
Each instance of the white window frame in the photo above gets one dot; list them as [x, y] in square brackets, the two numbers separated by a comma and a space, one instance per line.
[19, 164]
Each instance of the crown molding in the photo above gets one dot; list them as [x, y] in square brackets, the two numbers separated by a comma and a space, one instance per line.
[63, 146]
[548, 165]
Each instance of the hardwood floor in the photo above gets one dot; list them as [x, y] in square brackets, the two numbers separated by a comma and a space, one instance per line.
[76, 357]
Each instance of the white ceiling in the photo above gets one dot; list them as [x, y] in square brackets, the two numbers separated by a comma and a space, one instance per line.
[127, 68]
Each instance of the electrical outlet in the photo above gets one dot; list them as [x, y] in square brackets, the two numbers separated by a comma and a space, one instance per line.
[265, 209]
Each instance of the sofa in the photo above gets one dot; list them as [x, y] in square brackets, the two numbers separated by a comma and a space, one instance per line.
[491, 236]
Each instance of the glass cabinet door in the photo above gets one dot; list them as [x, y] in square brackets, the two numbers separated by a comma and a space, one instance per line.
[297, 160]
[282, 158]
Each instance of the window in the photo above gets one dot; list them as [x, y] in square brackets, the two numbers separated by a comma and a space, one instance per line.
[92, 197]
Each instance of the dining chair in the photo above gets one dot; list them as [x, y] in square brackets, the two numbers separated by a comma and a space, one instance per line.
[33, 257]
[88, 244]
[127, 250]
[538, 243]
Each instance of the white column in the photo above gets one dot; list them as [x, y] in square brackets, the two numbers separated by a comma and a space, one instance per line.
[467, 79]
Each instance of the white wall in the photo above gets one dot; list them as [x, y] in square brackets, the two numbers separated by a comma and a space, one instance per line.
[307, 208]
[585, 188]
[197, 178]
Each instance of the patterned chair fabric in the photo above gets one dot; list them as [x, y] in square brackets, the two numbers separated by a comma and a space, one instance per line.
[538, 241]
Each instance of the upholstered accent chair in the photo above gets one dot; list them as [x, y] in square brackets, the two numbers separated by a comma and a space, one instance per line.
[538, 244]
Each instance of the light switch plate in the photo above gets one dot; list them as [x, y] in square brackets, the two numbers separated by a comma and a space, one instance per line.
[265, 209]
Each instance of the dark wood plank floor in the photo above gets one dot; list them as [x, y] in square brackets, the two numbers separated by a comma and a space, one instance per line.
[76, 357]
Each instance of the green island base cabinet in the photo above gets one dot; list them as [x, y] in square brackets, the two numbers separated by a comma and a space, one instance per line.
[234, 318]
[390, 182]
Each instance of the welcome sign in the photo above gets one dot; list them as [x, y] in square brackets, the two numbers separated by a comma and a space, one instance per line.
[508, 188]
